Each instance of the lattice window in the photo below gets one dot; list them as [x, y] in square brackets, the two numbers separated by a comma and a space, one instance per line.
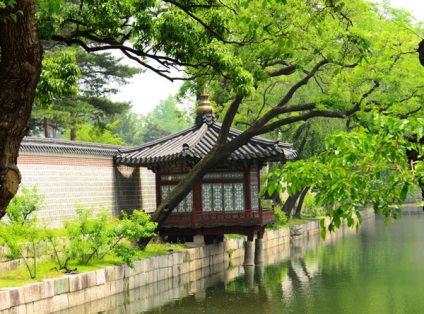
[207, 197]
[228, 196]
[238, 196]
[212, 197]
[254, 195]
[164, 191]
[186, 205]
[217, 197]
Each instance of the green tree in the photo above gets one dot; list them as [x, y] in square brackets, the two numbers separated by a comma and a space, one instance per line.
[165, 119]
[96, 134]
[360, 56]
[130, 129]
[99, 75]
[59, 79]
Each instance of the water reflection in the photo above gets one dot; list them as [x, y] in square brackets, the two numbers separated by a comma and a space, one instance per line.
[379, 270]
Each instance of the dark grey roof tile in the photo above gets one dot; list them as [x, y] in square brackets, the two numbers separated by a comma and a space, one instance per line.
[58, 146]
[196, 142]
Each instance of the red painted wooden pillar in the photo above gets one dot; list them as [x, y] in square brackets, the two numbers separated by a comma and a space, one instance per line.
[247, 191]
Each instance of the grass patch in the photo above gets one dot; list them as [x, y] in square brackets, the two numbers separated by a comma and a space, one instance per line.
[234, 236]
[160, 249]
[48, 270]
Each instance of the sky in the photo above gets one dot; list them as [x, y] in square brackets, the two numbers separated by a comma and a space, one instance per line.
[147, 89]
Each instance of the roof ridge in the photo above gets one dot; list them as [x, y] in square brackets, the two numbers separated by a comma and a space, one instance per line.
[52, 145]
[159, 140]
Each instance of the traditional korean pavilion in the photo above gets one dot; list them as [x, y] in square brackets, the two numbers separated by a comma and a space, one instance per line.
[226, 199]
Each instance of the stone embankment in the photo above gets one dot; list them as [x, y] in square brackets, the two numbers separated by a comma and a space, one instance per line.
[161, 279]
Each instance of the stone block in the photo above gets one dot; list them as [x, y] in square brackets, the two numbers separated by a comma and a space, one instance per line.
[186, 256]
[162, 274]
[131, 282]
[142, 279]
[17, 296]
[93, 293]
[88, 280]
[222, 247]
[61, 285]
[201, 252]
[119, 272]
[155, 262]
[155, 276]
[100, 277]
[5, 302]
[110, 289]
[43, 306]
[162, 261]
[175, 271]
[75, 283]
[191, 255]
[119, 286]
[34, 292]
[142, 266]
[129, 272]
[185, 268]
[21, 309]
[138, 267]
[177, 258]
[199, 240]
[110, 274]
[76, 298]
[60, 302]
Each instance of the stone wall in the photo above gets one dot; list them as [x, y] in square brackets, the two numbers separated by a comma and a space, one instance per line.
[157, 280]
[59, 294]
[70, 173]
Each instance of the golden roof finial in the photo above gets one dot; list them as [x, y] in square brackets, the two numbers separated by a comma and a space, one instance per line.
[204, 106]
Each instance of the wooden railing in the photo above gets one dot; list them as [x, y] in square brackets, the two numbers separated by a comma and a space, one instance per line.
[198, 219]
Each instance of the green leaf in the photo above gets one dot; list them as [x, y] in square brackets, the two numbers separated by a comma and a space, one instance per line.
[404, 192]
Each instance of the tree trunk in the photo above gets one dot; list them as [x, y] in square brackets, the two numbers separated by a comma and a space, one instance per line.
[46, 128]
[20, 69]
[300, 203]
[290, 204]
[220, 152]
[215, 156]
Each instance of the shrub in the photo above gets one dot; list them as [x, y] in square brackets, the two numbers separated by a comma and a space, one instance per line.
[22, 234]
[91, 237]
[280, 218]
[22, 206]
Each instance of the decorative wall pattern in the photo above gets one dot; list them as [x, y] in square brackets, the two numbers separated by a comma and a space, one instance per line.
[187, 203]
[254, 196]
[172, 177]
[224, 175]
[89, 180]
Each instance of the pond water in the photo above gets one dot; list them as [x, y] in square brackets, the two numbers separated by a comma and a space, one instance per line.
[378, 270]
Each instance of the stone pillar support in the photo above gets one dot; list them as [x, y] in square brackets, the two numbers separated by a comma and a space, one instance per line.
[199, 239]
[248, 254]
[259, 252]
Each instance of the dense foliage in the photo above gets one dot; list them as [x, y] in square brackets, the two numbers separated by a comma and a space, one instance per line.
[86, 237]
[271, 72]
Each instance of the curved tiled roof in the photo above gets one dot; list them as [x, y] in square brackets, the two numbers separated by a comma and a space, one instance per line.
[196, 142]
[58, 146]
